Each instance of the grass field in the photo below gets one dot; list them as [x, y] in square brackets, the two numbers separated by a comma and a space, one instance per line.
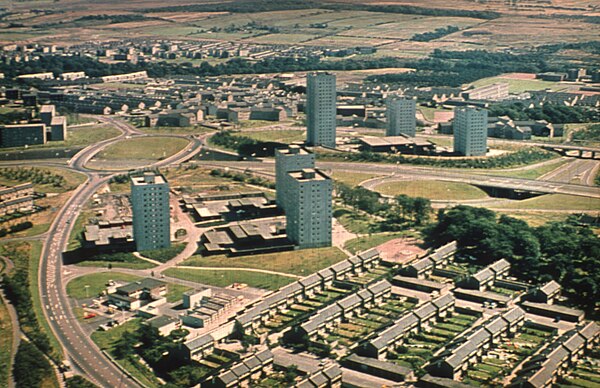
[135, 264]
[96, 282]
[148, 148]
[282, 136]
[351, 178]
[353, 221]
[519, 85]
[363, 243]
[434, 190]
[301, 262]
[223, 278]
[556, 202]
[6, 343]
[175, 130]
[106, 340]
[89, 135]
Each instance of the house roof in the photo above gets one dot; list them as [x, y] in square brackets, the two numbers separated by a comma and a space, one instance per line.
[550, 288]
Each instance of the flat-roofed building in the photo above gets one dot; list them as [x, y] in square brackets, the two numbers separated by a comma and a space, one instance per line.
[470, 131]
[401, 116]
[321, 109]
[151, 212]
[293, 158]
[309, 209]
[20, 135]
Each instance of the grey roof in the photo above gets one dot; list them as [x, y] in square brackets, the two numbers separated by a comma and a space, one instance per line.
[240, 369]
[550, 288]
[310, 280]
[161, 321]
[248, 315]
[483, 275]
[496, 326]
[499, 266]
[443, 301]
[444, 251]
[341, 267]
[199, 342]
[425, 311]
[355, 260]
[319, 379]
[590, 330]
[397, 330]
[574, 342]
[422, 264]
[290, 289]
[325, 273]
[349, 302]
[514, 314]
[332, 372]
[379, 287]
[554, 308]
[365, 295]
[264, 355]
[443, 382]
[227, 377]
[369, 255]
[381, 365]
[252, 363]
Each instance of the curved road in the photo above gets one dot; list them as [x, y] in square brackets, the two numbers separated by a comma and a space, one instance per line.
[78, 347]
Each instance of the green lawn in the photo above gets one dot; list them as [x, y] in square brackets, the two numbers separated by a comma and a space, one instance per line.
[351, 178]
[175, 130]
[354, 221]
[96, 282]
[435, 190]
[555, 202]
[281, 136]
[134, 264]
[147, 148]
[223, 278]
[106, 340]
[301, 262]
[366, 242]
[175, 292]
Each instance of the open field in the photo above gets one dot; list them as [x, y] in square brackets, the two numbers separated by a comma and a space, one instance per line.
[434, 190]
[89, 135]
[148, 148]
[529, 173]
[224, 278]
[520, 85]
[302, 262]
[555, 202]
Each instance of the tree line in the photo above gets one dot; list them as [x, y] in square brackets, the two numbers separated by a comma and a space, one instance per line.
[438, 33]
[255, 6]
[33, 175]
[561, 251]
[520, 157]
[553, 113]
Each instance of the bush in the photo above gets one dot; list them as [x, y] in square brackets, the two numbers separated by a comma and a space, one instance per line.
[31, 367]
[165, 254]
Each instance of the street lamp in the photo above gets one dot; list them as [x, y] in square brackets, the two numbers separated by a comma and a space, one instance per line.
[86, 290]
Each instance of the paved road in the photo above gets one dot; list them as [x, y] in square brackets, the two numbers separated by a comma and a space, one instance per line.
[79, 348]
[401, 172]
[581, 171]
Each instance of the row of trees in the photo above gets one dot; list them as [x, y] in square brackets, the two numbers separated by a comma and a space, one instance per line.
[563, 251]
[30, 368]
[253, 6]
[33, 175]
[553, 113]
[521, 157]
[17, 290]
[454, 68]
[244, 178]
[15, 228]
[245, 146]
[438, 33]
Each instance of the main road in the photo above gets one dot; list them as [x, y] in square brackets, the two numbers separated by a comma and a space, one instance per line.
[402, 172]
[79, 349]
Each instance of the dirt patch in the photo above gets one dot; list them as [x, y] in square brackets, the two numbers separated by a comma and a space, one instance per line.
[401, 250]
